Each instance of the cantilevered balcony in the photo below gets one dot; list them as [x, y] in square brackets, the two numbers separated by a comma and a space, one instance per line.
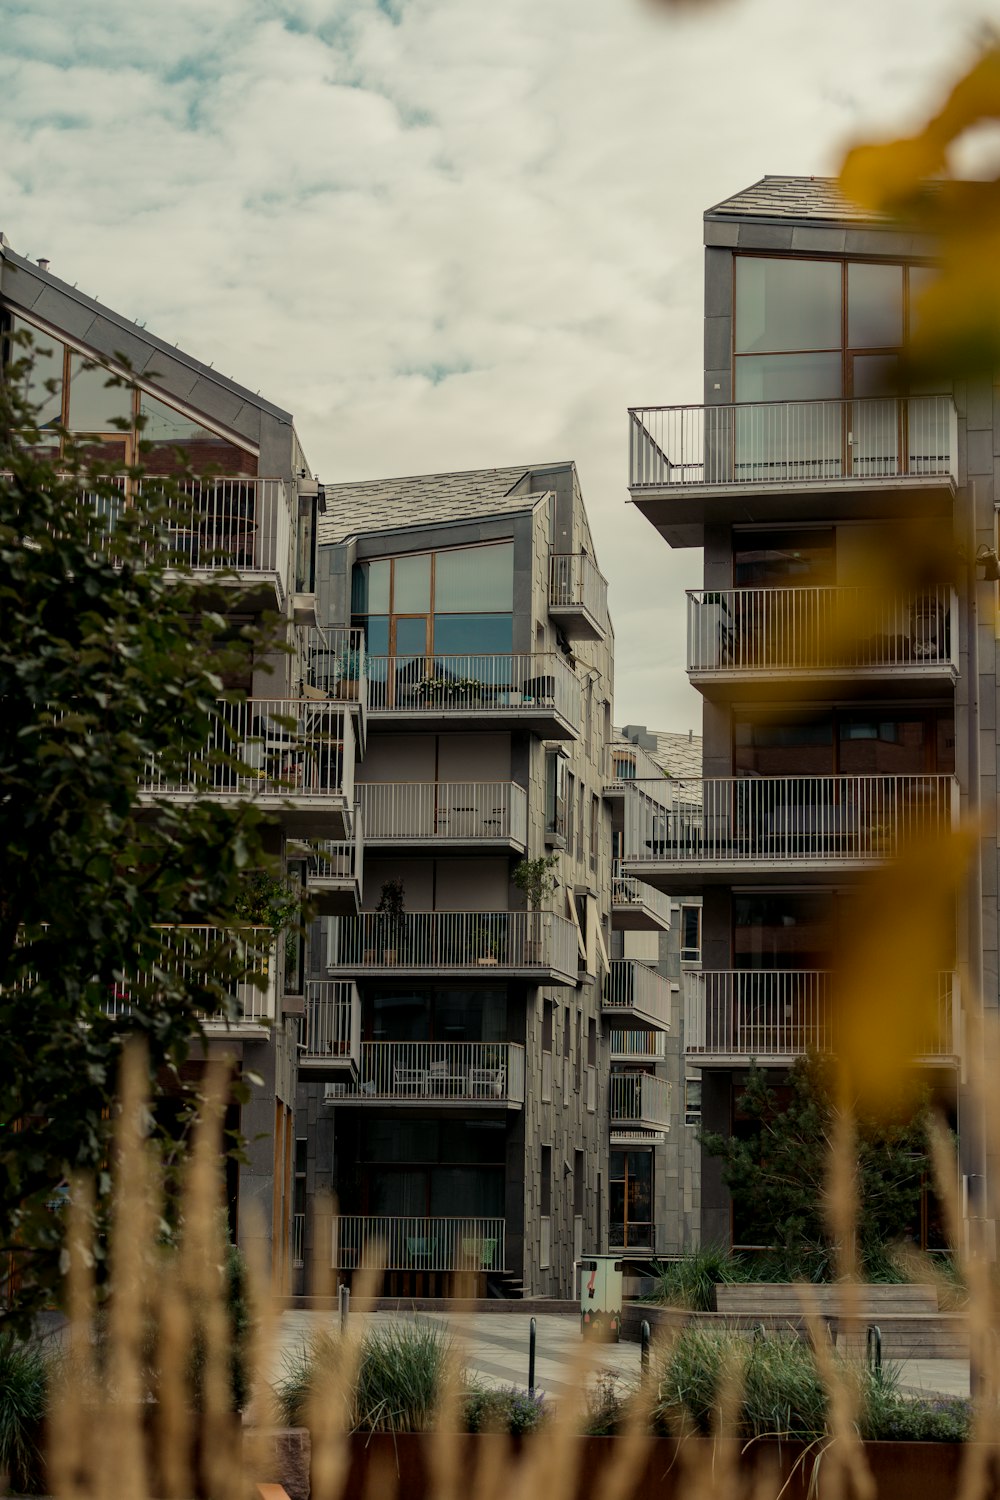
[636, 906]
[334, 870]
[335, 665]
[384, 1242]
[774, 1015]
[822, 639]
[330, 1033]
[624, 764]
[537, 691]
[684, 835]
[636, 997]
[490, 945]
[578, 596]
[454, 1075]
[294, 757]
[637, 1046]
[638, 1101]
[689, 465]
[438, 816]
[240, 962]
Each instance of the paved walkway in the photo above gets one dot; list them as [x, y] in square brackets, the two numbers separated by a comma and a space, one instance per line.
[495, 1346]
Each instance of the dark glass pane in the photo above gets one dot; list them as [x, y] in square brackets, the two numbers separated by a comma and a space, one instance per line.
[874, 306]
[411, 585]
[92, 403]
[764, 559]
[456, 635]
[786, 304]
[377, 635]
[45, 358]
[474, 578]
[165, 430]
[884, 746]
[460, 1192]
[378, 585]
[788, 377]
[411, 637]
[783, 931]
[401, 1018]
[920, 278]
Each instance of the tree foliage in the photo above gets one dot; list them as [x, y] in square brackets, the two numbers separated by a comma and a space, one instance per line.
[110, 662]
[777, 1171]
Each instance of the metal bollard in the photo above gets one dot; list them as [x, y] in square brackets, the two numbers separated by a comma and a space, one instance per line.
[644, 1337]
[344, 1294]
[873, 1348]
[532, 1337]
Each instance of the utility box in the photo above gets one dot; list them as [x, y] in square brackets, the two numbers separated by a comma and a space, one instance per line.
[600, 1296]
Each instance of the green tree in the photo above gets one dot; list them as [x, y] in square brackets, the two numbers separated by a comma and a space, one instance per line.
[777, 1170]
[110, 664]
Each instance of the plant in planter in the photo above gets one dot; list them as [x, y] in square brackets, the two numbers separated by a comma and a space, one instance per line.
[348, 672]
[484, 944]
[392, 911]
[535, 879]
[266, 901]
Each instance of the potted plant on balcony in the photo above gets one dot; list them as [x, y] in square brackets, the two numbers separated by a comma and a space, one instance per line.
[392, 910]
[484, 944]
[348, 673]
[535, 879]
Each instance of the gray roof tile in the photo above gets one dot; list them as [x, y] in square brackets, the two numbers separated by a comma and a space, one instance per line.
[795, 198]
[424, 500]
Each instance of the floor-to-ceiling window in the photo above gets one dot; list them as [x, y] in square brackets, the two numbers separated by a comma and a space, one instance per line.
[630, 1199]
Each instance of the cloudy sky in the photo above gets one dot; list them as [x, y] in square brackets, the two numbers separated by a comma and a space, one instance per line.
[445, 234]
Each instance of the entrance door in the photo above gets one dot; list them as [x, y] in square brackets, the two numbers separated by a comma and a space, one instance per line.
[875, 439]
[631, 1199]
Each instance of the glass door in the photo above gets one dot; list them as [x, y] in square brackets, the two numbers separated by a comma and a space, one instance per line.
[874, 438]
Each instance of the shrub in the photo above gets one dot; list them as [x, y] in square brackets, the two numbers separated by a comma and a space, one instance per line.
[781, 1389]
[606, 1400]
[889, 1416]
[399, 1380]
[691, 1281]
[25, 1380]
[503, 1409]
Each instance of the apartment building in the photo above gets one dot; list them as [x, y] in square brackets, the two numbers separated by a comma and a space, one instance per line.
[841, 714]
[247, 534]
[453, 1093]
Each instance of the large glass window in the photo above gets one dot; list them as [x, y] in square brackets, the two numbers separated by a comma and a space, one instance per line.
[630, 1199]
[787, 304]
[94, 406]
[457, 602]
[474, 578]
[874, 306]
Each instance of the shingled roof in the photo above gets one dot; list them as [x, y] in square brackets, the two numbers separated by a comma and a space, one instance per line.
[427, 499]
[808, 198]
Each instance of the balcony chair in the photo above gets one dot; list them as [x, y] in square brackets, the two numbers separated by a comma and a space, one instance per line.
[421, 1251]
[478, 1255]
[410, 1080]
[486, 1083]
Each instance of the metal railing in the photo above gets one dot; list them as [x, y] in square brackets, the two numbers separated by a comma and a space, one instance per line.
[576, 584]
[240, 524]
[639, 1099]
[627, 890]
[634, 987]
[241, 960]
[298, 1239]
[509, 683]
[279, 748]
[782, 442]
[430, 810]
[780, 1013]
[788, 629]
[339, 862]
[731, 820]
[623, 764]
[336, 663]
[439, 1072]
[443, 940]
[421, 1244]
[331, 1025]
[649, 1045]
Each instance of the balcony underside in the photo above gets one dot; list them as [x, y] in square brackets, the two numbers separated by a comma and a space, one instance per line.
[246, 592]
[485, 971]
[338, 897]
[690, 878]
[577, 622]
[633, 1018]
[680, 513]
[635, 917]
[537, 718]
[430, 1107]
[317, 816]
[433, 844]
[726, 1061]
[821, 684]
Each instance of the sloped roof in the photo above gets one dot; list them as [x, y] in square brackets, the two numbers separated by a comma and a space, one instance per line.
[426, 500]
[809, 198]
[680, 755]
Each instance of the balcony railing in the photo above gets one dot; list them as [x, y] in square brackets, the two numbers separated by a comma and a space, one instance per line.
[418, 812]
[821, 630]
[336, 663]
[478, 942]
[649, 1046]
[298, 1239]
[330, 1034]
[267, 749]
[636, 994]
[775, 819]
[633, 895]
[776, 1014]
[241, 961]
[793, 442]
[578, 592]
[384, 1242]
[459, 1073]
[624, 763]
[509, 684]
[639, 1099]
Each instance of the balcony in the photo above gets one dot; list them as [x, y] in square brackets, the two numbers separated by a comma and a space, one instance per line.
[578, 596]
[684, 835]
[336, 666]
[636, 997]
[453, 1075]
[774, 1015]
[330, 1034]
[638, 1102]
[417, 1244]
[291, 756]
[637, 1046]
[240, 961]
[636, 906]
[827, 638]
[692, 465]
[487, 945]
[335, 871]
[436, 816]
[535, 692]
[623, 764]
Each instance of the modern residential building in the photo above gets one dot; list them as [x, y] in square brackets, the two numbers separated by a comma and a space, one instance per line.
[453, 1092]
[247, 534]
[847, 664]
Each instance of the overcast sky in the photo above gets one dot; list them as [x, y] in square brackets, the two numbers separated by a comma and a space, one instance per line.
[445, 234]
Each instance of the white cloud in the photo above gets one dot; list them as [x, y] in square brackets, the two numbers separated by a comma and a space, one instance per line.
[471, 237]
